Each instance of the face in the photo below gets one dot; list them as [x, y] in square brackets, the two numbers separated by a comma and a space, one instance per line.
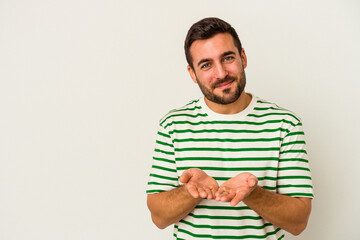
[218, 68]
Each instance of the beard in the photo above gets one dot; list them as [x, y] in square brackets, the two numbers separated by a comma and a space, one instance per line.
[227, 96]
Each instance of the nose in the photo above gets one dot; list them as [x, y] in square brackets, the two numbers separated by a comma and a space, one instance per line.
[220, 71]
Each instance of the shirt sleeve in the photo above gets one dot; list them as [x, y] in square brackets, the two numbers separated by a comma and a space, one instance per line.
[294, 177]
[163, 174]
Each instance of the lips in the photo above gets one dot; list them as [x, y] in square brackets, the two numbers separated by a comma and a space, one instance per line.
[223, 84]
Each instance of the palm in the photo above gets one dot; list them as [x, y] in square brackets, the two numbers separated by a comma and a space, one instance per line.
[199, 184]
[237, 188]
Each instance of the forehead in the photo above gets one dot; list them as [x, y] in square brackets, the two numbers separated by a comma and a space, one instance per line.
[212, 47]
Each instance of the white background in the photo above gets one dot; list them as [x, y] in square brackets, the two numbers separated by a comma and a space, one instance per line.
[84, 83]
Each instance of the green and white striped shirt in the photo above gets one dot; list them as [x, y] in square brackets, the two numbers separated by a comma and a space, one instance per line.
[263, 139]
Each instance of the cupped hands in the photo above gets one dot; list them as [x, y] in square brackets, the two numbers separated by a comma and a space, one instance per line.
[234, 190]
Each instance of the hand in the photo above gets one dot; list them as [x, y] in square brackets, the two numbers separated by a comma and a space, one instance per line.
[199, 184]
[237, 188]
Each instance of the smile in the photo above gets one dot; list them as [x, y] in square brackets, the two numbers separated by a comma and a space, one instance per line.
[224, 85]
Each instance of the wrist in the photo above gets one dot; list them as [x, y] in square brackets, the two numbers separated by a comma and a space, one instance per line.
[254, 194]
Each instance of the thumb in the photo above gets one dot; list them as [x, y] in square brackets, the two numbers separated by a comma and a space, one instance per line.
[185, 177]
[252, 181]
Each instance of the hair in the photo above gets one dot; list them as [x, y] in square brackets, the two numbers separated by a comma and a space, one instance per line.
[205, 29]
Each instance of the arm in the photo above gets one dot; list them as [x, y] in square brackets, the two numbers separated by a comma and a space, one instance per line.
[288, 213]
[170, 207]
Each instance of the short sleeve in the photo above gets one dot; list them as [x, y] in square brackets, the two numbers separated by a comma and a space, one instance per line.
[294, 177]
[163, 174]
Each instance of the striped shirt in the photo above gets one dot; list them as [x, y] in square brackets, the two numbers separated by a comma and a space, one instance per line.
[264, 139]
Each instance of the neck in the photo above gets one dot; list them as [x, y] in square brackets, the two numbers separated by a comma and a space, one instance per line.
[240, 104]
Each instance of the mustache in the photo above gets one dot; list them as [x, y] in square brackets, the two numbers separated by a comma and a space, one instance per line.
[224, 80]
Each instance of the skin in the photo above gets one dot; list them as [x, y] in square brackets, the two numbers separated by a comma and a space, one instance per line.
[170, 207]
[219, 72]
[288, 213]
[215, 60]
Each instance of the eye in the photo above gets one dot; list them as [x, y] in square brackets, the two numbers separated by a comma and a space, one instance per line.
[229, 58]
[205, 65]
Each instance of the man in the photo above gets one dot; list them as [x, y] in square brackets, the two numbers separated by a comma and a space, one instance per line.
[229, 165]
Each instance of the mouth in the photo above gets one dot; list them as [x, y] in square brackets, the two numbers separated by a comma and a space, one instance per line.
[224, 85]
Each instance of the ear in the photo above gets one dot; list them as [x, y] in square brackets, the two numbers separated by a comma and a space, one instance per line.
[243, 58]
[192, 74]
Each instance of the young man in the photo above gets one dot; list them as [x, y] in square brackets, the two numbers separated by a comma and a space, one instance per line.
[229, 165]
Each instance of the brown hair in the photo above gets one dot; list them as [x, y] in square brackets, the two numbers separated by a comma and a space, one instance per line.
[205, 29]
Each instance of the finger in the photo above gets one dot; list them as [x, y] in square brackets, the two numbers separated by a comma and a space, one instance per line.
[222, 195]
[213, 191]
[237, 198]
[218, 194]
[223, 191]
[193, 191]
[184, 178]
[252, 181]
[202, 192]
[208, 193]
[214, 188]
[227, 197]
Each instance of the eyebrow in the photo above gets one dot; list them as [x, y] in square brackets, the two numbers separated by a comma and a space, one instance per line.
[227, 53]
[222, 55]
[203, 61]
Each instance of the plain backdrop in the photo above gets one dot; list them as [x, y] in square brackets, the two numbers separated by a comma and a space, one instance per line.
[83, 85]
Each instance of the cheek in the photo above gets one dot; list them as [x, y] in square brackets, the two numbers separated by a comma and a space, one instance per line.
[234, 70]
[208, 77]
[205, 77]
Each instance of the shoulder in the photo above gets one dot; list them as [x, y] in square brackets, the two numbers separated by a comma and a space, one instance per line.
[270, 110]
[190, 110]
